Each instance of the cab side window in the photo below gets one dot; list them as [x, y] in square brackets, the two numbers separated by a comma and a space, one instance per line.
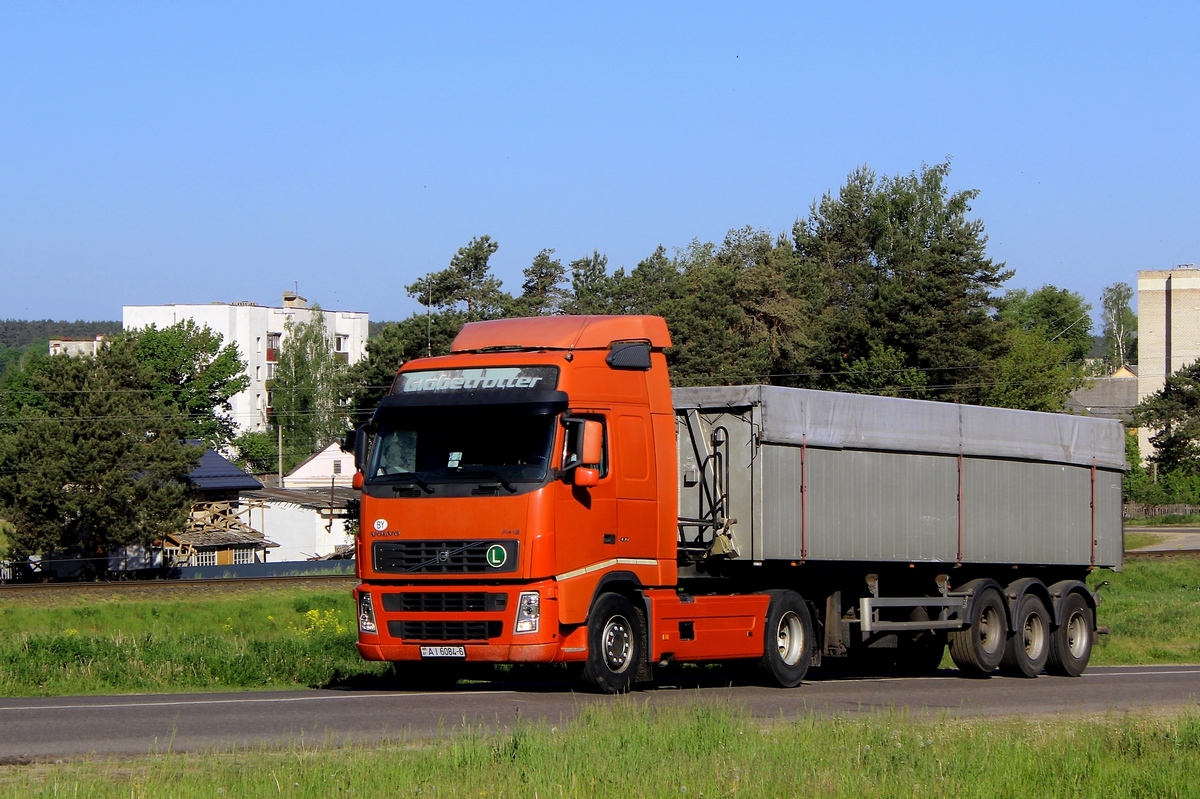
[573, 441]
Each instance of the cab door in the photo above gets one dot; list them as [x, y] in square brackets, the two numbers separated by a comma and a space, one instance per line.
[585, 529]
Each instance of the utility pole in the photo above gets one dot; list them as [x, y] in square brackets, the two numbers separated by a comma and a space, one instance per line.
[279, 446]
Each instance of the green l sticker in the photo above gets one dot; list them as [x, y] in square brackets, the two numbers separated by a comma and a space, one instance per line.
[496, 556]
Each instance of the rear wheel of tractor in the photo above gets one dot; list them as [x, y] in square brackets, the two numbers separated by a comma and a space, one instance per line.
[1071, 641]
[788, 633]
[919, 654]
[1028, 647]
[614, 645]
[978, 649]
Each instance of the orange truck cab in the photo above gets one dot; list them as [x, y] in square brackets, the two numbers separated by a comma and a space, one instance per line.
[519, 504]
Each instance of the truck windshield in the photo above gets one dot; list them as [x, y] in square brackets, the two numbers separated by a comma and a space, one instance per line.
[488, 443]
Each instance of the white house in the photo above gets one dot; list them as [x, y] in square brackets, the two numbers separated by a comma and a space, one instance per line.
[330, 466]
[308, 523]
[258, 332]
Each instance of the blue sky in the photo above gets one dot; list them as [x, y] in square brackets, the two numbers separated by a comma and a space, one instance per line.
[199, 152]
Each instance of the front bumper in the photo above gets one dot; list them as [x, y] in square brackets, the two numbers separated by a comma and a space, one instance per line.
[480, 619]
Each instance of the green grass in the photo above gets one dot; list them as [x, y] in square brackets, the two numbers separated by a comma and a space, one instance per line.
[1153, 611]
[628, 748]
[1138, 540]
[92, 642]
[252, 638]
[1164, 521]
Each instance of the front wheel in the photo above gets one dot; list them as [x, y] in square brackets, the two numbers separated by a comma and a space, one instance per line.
[614, 645]
[788, 634]
[1071, 641]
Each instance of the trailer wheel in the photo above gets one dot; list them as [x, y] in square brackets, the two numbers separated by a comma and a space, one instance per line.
[788, 640]
[1028, 647]
[614, 645]
[1071, 641]
[978, 649]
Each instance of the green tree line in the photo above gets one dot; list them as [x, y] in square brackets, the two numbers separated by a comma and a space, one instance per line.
[19, 339]
[884, 286]
[95, 452]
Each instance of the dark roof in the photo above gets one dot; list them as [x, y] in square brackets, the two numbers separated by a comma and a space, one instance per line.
[1108, 398]
[217, 474]
[313, 498]
[221, 538]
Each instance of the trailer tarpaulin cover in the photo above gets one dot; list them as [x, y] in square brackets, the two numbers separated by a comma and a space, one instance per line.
[859, 421]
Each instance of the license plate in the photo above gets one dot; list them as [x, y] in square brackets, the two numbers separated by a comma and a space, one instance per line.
[443, 652]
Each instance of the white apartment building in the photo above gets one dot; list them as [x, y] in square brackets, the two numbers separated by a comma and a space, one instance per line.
[258, 332]
[1168, 329]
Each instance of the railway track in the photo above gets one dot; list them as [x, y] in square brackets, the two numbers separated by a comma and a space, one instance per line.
[1160, 554]
[325, 581]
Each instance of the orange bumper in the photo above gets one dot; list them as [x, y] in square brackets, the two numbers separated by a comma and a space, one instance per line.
[480, 619]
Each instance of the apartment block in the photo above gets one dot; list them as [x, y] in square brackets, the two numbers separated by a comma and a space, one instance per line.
[1168, 328]
[258, 331]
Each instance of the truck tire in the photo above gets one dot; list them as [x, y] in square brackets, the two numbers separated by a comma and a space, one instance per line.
[614, 645]
[1028, 647]
[787, 640]
[921, 654]
[978, 649]
[1071, 641]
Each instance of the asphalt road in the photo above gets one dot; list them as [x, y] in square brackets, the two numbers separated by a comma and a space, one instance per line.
[41, 729]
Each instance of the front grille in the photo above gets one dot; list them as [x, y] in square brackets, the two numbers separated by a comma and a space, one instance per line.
[445, 557]
[445, 630]
[457, 602]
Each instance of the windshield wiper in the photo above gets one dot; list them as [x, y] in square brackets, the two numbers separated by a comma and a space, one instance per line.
[411, 477]
[492, 473]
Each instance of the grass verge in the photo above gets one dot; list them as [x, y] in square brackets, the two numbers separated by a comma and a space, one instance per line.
[1164, 521]
[1138, 540]
[264, 638]
[631, 749]
[1153, 612]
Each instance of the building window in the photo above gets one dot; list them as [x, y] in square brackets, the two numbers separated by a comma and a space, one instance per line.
[272, 347]
[207, 558]
[339, 343]
[270, 371]
[258, 343]
[258, 373]
[337, 467]
[242, 556]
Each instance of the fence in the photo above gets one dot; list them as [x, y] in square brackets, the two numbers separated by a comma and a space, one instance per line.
[1136, 510]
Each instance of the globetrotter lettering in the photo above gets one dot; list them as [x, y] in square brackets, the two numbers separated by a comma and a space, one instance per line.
[469, 380]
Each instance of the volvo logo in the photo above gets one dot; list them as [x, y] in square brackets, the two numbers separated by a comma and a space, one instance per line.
[443, 556]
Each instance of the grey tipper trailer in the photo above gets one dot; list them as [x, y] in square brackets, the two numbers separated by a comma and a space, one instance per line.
[903, 522]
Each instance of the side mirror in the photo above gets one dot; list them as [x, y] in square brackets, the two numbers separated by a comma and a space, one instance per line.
[362, 439]
[593, 443]
[587, 478]
[356, 482]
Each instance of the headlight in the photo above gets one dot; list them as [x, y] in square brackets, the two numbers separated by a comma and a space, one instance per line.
[366, 614]
[529, 611]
